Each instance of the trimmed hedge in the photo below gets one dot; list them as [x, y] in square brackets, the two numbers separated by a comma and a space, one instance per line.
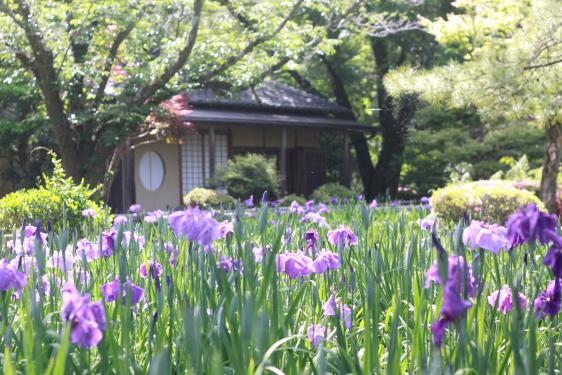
[332, 190]
[487, 200]
[58, 198]
[207, 198]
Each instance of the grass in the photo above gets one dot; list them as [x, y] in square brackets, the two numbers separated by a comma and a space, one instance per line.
[199, 320]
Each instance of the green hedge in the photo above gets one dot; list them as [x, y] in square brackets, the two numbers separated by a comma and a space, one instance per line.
[47, 203]
[487, 200]
[246, 175]
[332, 190]
[207, 198]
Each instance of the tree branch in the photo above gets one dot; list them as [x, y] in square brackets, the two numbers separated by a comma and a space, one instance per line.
[544, 65]
[119, 39]
[250, 47]
[147, 91]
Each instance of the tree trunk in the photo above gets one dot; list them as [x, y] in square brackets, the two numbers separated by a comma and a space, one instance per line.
[550, 167]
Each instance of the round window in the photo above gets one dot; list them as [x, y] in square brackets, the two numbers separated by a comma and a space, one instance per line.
[151, 170]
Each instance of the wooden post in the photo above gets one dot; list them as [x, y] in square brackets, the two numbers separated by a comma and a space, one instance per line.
[211, 152]
[283, 160]
[346, 161]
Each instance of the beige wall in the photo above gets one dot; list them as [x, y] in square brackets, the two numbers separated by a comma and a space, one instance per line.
[168, 194]
[246, 136]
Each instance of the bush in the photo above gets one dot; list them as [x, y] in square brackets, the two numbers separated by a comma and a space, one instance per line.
[491, 201]
[246, 175]
[332, 190]
[207, 198]
[288, 199]
[47, 203]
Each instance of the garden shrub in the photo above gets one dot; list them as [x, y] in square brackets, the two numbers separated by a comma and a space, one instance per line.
[246, 175]
[487, 200]
[47, 203]
[288, 199]
[207, 198]
[332, 190]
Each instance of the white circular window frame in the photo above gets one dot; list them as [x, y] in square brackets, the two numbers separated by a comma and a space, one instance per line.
[151, 170]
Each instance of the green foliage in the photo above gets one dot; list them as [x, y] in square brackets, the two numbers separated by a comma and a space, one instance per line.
[490, 201]
[58, 200]
[332, 190]
[288, 199]
[246, 175]
[205, 198]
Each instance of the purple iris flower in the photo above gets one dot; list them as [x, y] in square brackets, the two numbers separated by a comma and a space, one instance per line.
[311, 238]
[229, 264]
[331, 308]
[10, 278]
[296, 208]
[225, 228]
[154, 268]
[313, 217]
[113, 289]
[530, 224]
[548, 301]
[553, 259]
[85, 248]
[27, 245]
[360, 197]
[153, 216]
[87, 319]
[458, 273]
[89, 212]
[426, 223]
[342, 236]
[119, 220]
[196, 225]
[249, 202]
[333, 200]
[63, 262]
[394, 204]
[108, 242]
[425, 201]
[309, 206]
[315, 333]
[294, 264]
[135, 208]
[502, 299]
[326, 260]
[322, 208]
[489, 237]
[453, 308]
[373, 204]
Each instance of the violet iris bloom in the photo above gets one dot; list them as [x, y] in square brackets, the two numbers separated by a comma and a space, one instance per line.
[89, 212]
[326, 260]
[311, 238]
[309, 206]
[373, 204]
[10, 278]
[27, 245]
[489, 237]
[119, 220]
[225, 228]
[331, 308]
[229, 264]
[249, 202]
[313, 217]
[315, 333]
[294, 264]
[553, 259]
[135, 208]
[296, 208]
[453, 307]
[502, 300]
[342, 235]
[548, 301]
[333, 200]
[426, 223]
[153, 216]
[530, 224]
[85, 248]
[154, 268]
[108, 242]
[113, 289]
[196, 225]
[87, 319]
[322, 208]
[425, 202]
